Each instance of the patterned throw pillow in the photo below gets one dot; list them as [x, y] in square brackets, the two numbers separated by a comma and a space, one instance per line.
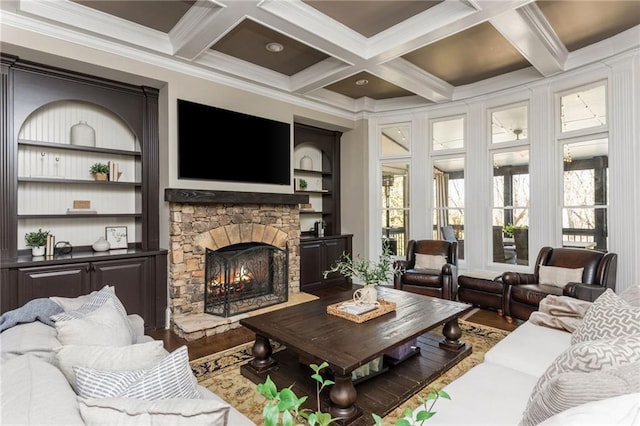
[170, 378]
[430, 261]
[568, 390]
[609, 316]
[591, 356]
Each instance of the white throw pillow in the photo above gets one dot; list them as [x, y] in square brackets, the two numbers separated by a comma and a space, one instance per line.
[71, 303]
[169, 412]
[170, 378]
[559, 277]
[430, 261]
[119, 358]
[105, 327]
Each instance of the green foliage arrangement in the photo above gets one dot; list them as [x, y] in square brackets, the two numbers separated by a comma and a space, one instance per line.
[99, 168]
[303, 184]
[37, 238]
[509, 227]
[283, 408]
[371, 273]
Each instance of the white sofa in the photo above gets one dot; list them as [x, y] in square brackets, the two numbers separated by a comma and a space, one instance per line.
[499, 390]
[37, 391]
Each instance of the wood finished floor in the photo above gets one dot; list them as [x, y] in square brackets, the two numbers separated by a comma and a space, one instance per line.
[219, 342]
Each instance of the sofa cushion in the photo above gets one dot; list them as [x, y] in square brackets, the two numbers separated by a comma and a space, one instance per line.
[619, 410]
[34, 392]
[170, 378]
[430, 261]
[608, 316]
[106, 326]
[34, 338]
[515, 350]
[487, 394]
[559, 277]
[119, 358]
[125, 411]
[567, 390]
[69, 304]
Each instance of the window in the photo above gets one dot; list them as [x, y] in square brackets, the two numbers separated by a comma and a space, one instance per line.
[448, 201]
[586, 108]
[394, 140]
[509, 124]
[510, 218]
[447, 134]
[395, 205]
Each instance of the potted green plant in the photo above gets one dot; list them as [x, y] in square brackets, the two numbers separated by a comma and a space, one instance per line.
[37, 241]
[100, 171]
[303, 184]
[369, 273]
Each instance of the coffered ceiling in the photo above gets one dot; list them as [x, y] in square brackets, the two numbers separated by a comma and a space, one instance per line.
[355, 56]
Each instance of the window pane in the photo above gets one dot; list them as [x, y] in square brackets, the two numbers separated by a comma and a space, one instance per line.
[448, 134]
[584, 109]
[448, 201]
[510, 215]
[395, 205]
[586, 189]
[509, 124]
[394, 140]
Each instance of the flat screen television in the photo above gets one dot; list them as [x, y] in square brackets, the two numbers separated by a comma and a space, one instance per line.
[221, 145]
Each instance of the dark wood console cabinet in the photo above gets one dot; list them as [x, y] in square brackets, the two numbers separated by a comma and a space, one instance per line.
[138, 272]
[318, 255]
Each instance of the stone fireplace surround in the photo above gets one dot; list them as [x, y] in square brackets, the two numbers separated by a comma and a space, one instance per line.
[200, 219]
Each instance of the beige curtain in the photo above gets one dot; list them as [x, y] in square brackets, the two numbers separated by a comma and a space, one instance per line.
[442, 184]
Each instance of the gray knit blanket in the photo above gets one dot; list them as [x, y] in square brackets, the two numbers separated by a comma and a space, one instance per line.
[34, 310]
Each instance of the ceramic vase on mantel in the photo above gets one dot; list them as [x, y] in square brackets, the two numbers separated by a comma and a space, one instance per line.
[366, 295]
[101, 245]
[37, 251]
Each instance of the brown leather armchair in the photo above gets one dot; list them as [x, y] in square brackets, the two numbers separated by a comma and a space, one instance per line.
[440, 282]
[523, 292]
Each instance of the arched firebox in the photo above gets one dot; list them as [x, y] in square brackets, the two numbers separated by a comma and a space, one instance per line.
[244, 277]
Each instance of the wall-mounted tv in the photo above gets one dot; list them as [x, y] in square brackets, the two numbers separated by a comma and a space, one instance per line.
[221, 145]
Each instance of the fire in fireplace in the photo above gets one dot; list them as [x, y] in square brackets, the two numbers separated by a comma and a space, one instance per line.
[244, 277]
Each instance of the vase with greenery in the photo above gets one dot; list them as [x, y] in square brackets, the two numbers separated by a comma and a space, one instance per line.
[369, 273]
[100, 171]
[507, 229]
[37, 241]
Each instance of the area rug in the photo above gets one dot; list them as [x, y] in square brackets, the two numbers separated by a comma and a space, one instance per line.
[220, 372]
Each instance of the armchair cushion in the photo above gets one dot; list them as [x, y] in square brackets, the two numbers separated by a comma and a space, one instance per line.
[559, 277]
[430, 261]
[609, 316]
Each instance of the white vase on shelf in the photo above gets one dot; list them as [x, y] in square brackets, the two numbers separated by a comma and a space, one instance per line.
[306, 163]
[83, 134]
[101, 245]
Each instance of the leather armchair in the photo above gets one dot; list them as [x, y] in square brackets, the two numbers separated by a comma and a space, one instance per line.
[523, 292]
[440, 282]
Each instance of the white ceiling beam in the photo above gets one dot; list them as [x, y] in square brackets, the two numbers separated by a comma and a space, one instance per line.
[530, 33]
[404, 74]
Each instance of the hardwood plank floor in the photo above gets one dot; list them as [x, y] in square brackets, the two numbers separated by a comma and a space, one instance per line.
[229, 339]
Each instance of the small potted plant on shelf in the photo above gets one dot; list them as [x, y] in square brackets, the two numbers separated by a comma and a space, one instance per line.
[303, 184]
[100, 171]
[37, 241]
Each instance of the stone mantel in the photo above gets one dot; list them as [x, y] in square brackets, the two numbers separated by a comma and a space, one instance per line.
[198, 196]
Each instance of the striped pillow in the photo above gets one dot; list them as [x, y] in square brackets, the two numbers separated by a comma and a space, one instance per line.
[170, 378]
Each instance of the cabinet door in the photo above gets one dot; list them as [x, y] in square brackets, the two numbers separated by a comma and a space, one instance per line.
[128, 276]
[47, 281]
[311, 266]
[333, 249]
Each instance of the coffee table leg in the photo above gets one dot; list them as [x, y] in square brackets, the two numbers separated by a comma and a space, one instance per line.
[262, 351]
[452, 333]
[343, 397]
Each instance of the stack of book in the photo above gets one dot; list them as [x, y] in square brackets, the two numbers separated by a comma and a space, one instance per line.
[114, 171]
[81, 207]
[51, 243]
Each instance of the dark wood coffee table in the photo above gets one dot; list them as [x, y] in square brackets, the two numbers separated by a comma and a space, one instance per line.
[310, 333]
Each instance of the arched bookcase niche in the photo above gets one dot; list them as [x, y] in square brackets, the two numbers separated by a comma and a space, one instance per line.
[53, 172]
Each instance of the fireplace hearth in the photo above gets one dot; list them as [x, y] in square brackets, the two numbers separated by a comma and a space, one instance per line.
[244, 277]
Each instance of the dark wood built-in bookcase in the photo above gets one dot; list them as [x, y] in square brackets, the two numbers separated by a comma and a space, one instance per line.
[138, 272]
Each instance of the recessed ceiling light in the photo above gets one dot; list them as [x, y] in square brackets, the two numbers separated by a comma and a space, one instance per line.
[362, 82]
[274, 47]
